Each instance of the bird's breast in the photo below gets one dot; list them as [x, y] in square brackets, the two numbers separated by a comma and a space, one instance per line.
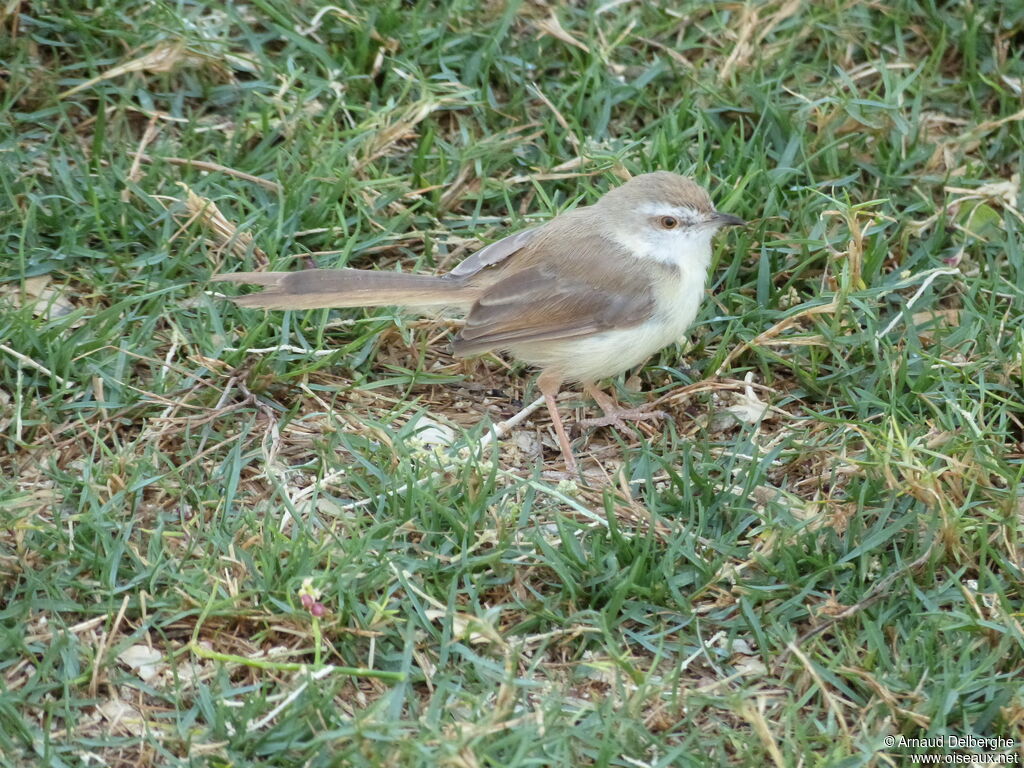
[677, 297]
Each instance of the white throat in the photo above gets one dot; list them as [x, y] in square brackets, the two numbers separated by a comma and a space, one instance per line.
[689, 249]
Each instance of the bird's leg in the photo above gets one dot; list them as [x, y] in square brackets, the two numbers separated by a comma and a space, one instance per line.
[614, 414]
[549, 383]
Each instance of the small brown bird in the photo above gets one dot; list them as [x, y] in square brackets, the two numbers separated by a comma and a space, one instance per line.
[592, 292]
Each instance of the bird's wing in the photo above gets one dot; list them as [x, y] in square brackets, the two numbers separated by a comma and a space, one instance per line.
[493, 254]
[541, 304]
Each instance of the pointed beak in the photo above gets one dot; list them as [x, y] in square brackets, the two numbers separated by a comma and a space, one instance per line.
[726, 219]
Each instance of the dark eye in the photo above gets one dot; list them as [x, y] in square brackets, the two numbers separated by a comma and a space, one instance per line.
[668, 222]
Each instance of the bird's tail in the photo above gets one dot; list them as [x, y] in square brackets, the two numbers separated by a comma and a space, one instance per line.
[317, 288]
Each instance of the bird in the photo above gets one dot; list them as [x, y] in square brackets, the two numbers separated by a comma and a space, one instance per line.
[594, 291]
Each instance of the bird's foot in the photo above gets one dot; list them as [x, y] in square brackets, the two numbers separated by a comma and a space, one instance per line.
[617, 417]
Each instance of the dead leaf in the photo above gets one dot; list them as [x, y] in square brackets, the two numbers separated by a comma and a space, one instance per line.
[143, 660]
[747, 407]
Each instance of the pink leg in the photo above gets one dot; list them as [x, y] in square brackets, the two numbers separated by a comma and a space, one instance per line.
[549, 384]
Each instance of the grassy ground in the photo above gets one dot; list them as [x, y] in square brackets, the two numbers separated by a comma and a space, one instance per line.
[821, 549]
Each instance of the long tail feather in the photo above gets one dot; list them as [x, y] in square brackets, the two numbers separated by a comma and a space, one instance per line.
[317, 288]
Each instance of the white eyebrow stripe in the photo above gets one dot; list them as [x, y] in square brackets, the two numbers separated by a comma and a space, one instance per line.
[662, 209]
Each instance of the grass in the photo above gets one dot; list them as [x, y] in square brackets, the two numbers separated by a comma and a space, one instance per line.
[225, 538]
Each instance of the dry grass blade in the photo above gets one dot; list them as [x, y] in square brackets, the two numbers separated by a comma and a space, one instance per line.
[395, 128]
[164, 57]
[552, 26]
[562, 122]
[754, 28]
[775, 330]
[876, 593]
[203, 165]
[225, 234]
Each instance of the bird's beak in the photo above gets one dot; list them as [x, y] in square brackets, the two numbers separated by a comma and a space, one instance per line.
[726, 219]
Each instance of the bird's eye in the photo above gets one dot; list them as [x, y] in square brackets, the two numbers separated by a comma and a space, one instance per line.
[668, 222]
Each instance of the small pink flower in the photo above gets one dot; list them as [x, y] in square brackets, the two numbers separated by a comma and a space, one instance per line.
[309, 596]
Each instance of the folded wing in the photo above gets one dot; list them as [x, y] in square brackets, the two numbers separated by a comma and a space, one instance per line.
[542, 303]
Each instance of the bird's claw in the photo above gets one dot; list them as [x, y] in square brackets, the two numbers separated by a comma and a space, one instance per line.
[619, 417]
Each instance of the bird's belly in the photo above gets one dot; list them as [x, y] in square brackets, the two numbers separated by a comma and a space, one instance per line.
[590, 358]
[611, 352]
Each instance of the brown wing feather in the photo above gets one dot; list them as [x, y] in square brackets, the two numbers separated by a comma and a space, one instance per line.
[494, 253]
[545, 295]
